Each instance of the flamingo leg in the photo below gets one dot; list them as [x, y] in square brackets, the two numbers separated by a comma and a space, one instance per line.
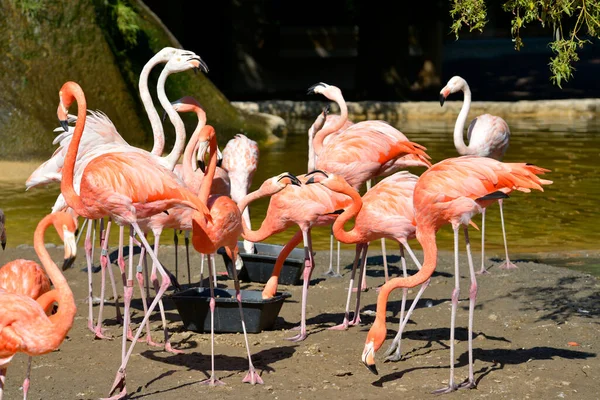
[506, 264]
[470, 382]
[119, 381]
[168, 347]
[187, 257]
[395, 345]
[455, 293]
[309, 264]
[140, 279]
[385, 265]
[88, 258]
[202, 256]
[176, 242]
[252, 376]
[344, 324]
[330, 272]
[99, 331]
[483, 270]
[111, 275]
[2, 380]
[27, 380]
[121, 264]
[212, 381]
[362, 286]
[356, 320]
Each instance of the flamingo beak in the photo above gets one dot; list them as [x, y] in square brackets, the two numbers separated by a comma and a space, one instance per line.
[70, 249]
[3, 245]
[442, 99]
[368, 357]
[65, 125]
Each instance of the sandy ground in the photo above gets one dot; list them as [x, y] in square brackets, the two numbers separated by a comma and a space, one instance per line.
[536, 332]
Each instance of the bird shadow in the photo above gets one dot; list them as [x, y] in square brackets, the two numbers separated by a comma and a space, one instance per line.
[195, 361]
[497, 358]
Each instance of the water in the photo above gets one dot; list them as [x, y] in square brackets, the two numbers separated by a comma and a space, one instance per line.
[563, 218]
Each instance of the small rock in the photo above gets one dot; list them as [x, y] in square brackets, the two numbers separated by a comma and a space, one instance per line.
[565, 383]
[429, 303]
[369, 312]
[343, 373]
[492, 317]
[270, 387]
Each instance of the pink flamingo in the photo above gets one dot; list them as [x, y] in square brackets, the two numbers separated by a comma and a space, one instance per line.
[385, 211]
[178, 62]
[452, 191]
[25, 326]
[224, 231]
[488, 136]
[361, 151]
[125, 186]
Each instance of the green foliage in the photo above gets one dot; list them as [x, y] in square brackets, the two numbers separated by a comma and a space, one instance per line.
[551, 13]
[471, 13]
[127, 23]
[30, 8]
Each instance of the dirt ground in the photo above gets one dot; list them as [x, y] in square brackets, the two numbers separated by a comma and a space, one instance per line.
[536, 336]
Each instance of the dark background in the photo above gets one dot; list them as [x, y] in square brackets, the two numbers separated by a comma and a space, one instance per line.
[372, 50]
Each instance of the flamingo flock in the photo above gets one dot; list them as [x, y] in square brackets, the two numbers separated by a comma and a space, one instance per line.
[102, 177]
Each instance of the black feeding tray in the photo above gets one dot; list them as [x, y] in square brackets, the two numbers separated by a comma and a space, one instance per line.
[259, 314]
[258, 266]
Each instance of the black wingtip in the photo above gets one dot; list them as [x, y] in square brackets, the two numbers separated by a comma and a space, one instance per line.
[497, 195]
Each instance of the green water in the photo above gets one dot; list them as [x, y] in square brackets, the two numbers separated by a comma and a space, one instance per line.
[561, 219]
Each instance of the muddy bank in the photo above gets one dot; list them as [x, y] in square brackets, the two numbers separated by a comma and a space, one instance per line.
[535, 337]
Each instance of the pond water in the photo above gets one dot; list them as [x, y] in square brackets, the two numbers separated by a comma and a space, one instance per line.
[563, 218]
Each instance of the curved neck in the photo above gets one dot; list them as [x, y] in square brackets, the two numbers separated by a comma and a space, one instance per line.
[265, 230]
[210, 172]
[426, 238]
[157, 128]
[63, 319]
[320, 136]
[188, 155]
[311, 149]
[353, 235]
[459, 141]
[176, 120]
[66, 184]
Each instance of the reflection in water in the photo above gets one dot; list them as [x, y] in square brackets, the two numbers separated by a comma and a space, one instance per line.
[563, 218]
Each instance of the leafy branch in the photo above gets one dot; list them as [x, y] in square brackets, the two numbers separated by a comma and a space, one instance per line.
[552, 13]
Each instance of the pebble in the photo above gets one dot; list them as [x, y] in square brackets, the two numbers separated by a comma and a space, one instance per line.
[492, 317]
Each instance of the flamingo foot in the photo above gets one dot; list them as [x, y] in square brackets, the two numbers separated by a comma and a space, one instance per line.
[130, 337]
[393, 352]
[341, 327]
[212, 381]
[169, 348]
[99, 334]
[151, 342]
[447, 389]
[253, 378]
[396, 356]
[331, 273]
[362, 289]
[508, 265]
[118, 384]
[468, 384]
[483, 271]
[25, 388]
[298, 338]
[91, 326]
[355, 321]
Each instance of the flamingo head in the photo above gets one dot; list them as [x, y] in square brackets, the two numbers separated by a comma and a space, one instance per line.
[279, 182]
[375, 339]
[333, 182]
[320, 121]
[186, 104]
[455, 84]
[66, 98]
[66, 226]
[331, 92]
[184, 60]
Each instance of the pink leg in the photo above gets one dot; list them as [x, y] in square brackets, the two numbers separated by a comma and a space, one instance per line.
[506, 264]
[140, 279]
[88, 258]
[119, 381]
[186, 239]
[176, 242]
[470, 382]
[252, 376]
[330, 272]
[104, 259]
[455, 293]
[363, 266]
[385, 266]
[344, 324]
[309, 264]
[2, 381]
[168, 347]
[212, 381]
[99, 331]
[483, 270]
[27, 380]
